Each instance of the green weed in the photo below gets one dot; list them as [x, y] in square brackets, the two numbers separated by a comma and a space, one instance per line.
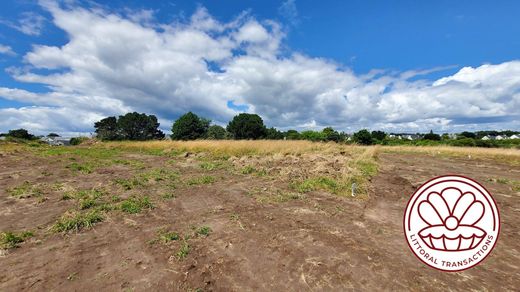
[25, 190]
[183, 252]
[76, 221]
[11, 240]
[135, 205]
[205, 179]
[203, 231]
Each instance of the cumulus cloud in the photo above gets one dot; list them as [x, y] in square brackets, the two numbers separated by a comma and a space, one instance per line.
[114, 63]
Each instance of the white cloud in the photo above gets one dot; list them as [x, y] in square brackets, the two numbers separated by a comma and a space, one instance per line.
[116, 63]
[7, 50]
[29, 23]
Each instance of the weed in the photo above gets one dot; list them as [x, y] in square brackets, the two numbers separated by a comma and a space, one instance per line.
[205, 179]
[183, 252]
[312, 184]
[129, 184]
[208, 165]
[83, 168]
[168, 196]
[135, 205]
[76, 221]
[203, 231]
[25, 190]
[248, 169]
[11, 240]
[167, 236]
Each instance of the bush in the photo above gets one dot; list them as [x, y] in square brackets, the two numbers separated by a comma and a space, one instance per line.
[216, 132]
[313, 136]
[331, 135]
[363, 137]
[189, 127]
[465, 142]
[77, 140]
[247, 126]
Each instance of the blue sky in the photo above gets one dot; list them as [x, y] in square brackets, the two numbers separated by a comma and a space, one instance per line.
[391, 65]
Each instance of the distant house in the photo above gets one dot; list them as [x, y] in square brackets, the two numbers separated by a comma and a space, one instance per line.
[517, 136]
[55, 141]
[452, 136]
[485, 138]
[500, 137]
[2, 137]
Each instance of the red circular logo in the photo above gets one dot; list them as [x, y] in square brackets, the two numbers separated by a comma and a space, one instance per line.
[451, 223]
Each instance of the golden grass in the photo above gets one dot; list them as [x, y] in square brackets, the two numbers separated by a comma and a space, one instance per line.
[234, 148]
[506, 155]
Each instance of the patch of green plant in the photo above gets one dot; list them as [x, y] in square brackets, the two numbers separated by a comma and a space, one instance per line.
[514, 184]
[205, 179]
[317, 183]
[25, 190]
[248, 169]
[166, 236]
[183, 252]
[132, 163]
[168, 196]
[76, 221]
[135, 204]
[79, 167]
[203, 231]
[130, 183]
[208, 165]
[10, 239]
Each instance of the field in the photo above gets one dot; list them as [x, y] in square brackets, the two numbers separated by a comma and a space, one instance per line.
[236, 215]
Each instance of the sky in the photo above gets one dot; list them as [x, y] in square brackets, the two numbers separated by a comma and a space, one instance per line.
[397, 66]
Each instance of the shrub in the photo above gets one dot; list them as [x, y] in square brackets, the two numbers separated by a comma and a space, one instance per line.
[216, 132]
[363, 137]
[77, 140]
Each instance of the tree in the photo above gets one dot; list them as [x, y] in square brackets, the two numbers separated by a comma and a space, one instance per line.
[330, 134]
[216, 132]
[432, 136]
[20, 134]
[378, 135]
[189, 127]
[363, 137]
[106, 129]
[292, 135]
[53, 135]
[466, 134]
[247, 126]
[141, 127]
[313, 135]
[274, 134]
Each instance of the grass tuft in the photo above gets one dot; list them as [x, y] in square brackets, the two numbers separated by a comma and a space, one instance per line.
[10, 239]
[135, 205]
[205, 179]
[76, 221]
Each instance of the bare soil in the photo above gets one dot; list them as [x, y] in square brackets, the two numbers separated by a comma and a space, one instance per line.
[260, 240]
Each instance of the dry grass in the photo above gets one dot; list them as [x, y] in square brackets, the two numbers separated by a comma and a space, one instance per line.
[510, 156]
[231, 147]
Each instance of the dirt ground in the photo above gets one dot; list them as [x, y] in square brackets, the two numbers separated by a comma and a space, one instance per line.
[261, 238]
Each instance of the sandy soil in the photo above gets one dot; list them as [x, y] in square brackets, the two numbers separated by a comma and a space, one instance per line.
[317, 242]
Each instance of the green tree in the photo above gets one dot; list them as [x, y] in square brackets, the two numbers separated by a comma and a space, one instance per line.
[189, 127]
[274, 134]
[331, 135]
[216, 132]
[378, 135]
[432, 136]
[247, 126]
[140, 127]
[363, 137]
[466, 134]
[20, 134]
[313, 135]
[292, 135]
[53, 135]
[106, 129]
